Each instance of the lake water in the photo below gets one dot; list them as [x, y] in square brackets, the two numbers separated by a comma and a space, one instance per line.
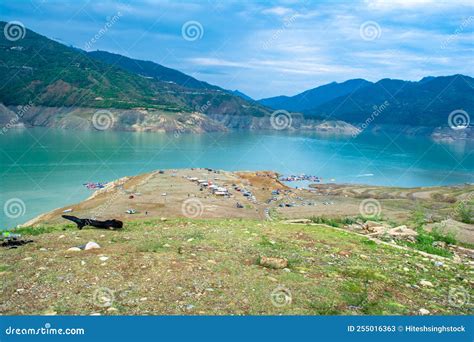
[46, 168]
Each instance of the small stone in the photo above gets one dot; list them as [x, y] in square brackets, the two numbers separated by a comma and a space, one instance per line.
[143, 299]
[28, 258]
[74, 249]
[439, 244]
[61, 236]
[163, 219]
[406, 269]
[272, 279]
[423, 312]
[103, 258]
[43, 249]
[112, 309]
[20, 290]
[95, 314]
[212, 262]
[83, 262]
[189, 307]
[50, 313]
[363, 256]
[190, 240]
[438, 263]
[273, 262]
[426, 283]
[91, 245]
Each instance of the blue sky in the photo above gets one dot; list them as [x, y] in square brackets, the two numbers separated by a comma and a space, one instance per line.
[268, 48]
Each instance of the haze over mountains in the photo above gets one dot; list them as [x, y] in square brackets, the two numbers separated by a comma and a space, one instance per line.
[46, 73]
[424, 103]
[312, 98]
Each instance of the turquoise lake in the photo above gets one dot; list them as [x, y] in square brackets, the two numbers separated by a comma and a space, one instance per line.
[46, 168]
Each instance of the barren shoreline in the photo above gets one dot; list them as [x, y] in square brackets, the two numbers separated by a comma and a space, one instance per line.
[167, 193]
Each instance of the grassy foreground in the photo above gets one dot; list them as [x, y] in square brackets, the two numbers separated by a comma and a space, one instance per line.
[184, 266]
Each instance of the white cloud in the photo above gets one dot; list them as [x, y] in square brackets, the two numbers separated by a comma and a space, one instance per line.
[279, 11]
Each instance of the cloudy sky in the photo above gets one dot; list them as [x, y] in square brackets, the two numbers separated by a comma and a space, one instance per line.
[268, 48]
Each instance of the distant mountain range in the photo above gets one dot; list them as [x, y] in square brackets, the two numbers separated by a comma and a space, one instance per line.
[312, 98]
[45, 73]
[424, 103]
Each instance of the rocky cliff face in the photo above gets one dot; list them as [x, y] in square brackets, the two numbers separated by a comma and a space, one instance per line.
[145, 120]
[115, 119]
[152, 120]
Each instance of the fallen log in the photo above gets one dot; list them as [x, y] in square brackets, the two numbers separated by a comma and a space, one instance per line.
[81, 223]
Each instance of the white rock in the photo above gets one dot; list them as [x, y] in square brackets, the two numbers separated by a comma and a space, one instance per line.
[423, 312]
[74, 249]
[104, 258]
[91, 245]
[426, 283]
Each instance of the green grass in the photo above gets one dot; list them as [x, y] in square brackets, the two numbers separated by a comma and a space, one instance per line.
[34, 231]
[151, 246]
[424, 242]
[336, 221]
[464, 212]
[326, 273]
[4, 268]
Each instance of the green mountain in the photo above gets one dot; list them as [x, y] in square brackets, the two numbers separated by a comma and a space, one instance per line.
[425, 103]
[151, 69]
[312, 98]
[44, 72]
